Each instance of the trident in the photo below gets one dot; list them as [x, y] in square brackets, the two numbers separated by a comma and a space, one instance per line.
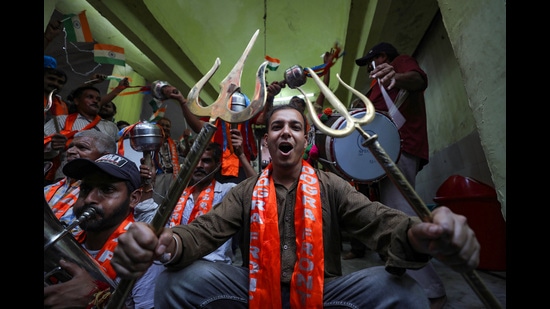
[386, 162]
[219, 109]
[47, 108]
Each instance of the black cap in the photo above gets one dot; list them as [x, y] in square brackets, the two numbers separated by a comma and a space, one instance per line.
[112, 164]
[375, 51]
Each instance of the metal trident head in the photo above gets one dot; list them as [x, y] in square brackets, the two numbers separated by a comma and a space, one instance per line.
[351, 122]
[50, 101]
[231, 83]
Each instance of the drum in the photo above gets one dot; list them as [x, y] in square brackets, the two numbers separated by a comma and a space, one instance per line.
[347, 157]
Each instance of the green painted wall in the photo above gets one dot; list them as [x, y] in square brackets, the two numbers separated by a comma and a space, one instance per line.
[477, 32]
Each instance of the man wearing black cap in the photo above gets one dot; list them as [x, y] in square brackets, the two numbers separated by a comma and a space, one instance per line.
[110, 189]
[404, 82]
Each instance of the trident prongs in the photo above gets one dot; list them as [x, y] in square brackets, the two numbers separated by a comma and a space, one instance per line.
[393, 172]
[47, 108]
[351, 122]
[231, 83]
[50, 100]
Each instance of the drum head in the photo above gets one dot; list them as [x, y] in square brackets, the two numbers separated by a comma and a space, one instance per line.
[355, 161]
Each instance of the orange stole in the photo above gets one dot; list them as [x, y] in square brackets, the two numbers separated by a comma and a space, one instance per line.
[58, 106]
[307, 281]
[104, 256]
[203, 204]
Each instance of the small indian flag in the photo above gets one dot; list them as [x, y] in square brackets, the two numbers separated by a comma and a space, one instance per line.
[77, 28]
[109, 54]
[159, 109]
[273, 63]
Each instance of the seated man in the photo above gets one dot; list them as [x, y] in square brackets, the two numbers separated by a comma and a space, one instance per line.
[202, 194]
[292, 216]
[110, 189]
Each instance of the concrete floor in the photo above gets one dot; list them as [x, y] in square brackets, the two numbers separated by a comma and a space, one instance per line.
[460, 295]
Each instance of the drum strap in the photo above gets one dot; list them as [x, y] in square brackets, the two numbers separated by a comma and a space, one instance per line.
[401, 97]
[393, 108]
[394, 113]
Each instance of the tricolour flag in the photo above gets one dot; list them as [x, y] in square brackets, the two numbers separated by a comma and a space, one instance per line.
[109, 54]
[273, 63]
[77, 28]
[159, 109]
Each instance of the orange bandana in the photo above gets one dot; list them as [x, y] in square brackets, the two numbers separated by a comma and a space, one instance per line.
[306, 285]
[203, 204]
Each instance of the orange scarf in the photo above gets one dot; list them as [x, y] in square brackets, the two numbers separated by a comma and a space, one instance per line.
[105, 254]
[69, 133]
[203, 204]
[173, 158]
[58, 106]
[68, 128]
[68, 198]
[306, 285]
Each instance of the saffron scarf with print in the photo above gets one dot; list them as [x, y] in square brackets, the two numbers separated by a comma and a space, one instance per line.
[203, 204]
[173, 158]
[105, 254]
[306, 285]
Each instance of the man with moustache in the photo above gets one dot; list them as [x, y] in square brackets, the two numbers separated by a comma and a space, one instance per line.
[59, 131]
[61, 196]
[110, 188]
[292, 216]
[201, 195]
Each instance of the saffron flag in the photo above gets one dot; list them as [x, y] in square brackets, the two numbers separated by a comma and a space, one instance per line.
[77, 28]
[109, 54]
[273, 63]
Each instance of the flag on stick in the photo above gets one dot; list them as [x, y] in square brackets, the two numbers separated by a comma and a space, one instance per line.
[159, 108]
[109, 54]
[77, 28]
[273, 64]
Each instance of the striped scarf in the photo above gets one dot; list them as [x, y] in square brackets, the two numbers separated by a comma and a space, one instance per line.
[62, 195]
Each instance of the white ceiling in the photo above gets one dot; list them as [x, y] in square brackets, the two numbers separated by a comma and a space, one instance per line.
[179, 40]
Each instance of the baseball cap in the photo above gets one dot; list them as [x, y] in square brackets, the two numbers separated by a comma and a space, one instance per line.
[375, 51]
[50, 62]
[112, 164]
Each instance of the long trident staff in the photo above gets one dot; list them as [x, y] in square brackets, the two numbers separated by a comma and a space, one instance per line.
[387, 163]
[219, 109]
